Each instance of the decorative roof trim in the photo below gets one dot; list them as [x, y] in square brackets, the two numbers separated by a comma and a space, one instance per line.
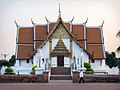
[93, 27]
[104, 50]
[34, 34]
[17, 41]
[41, 24]
[78, 23]
[54, 28]
[16, 51]
[25, 44]
[25, 27]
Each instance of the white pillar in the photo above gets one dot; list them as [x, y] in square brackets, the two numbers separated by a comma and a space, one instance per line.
[17, 63]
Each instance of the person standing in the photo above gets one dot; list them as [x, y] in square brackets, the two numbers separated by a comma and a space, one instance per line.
[81, 77]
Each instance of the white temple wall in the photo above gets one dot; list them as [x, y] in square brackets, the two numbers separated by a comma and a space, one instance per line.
[79, 54]
[54, 42]
[45, 50]
[24, 64]
[76, 50]
[97, 67]
[96, 64]
[67, 43]
[17, 64]
[54, 62]
[36, 59]
[85, 57]
[25, 68]
[66, 62]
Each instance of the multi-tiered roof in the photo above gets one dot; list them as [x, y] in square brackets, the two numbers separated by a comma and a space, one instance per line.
[31, 38]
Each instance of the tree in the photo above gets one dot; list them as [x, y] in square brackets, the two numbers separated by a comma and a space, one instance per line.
[119, 64]
[12, 61]
[111, 60]
[4, 63]
[118, 35]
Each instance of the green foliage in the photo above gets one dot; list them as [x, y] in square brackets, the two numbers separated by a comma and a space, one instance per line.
[4, 63]
[118, 34]
[9, 70]
[118, 49]
[111, 60]
[12, 61]
[32, 72]
[33, 68]
[87, 65]
[89, 69]
[119, 62]
[9, 73]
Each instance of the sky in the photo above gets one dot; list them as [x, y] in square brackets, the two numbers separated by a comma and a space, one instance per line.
[23, 10]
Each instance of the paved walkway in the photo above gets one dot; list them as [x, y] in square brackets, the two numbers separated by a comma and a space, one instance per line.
[59, 86]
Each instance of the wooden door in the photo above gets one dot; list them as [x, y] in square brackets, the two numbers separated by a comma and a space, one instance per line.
[60, 60]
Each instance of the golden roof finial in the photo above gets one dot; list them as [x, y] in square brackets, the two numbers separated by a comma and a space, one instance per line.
[16, 23]
[32, 21]
[46, 18]
[86, 20]
[72, 19]
[102, 23]
[59, 10]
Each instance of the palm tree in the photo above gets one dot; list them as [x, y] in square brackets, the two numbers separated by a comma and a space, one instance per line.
[118, 35]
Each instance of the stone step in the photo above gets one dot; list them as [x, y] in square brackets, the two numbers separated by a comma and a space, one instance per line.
[60, 77]
[60, 71]
[60, 81]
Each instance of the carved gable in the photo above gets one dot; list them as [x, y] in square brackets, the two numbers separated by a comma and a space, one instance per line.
[60, 32]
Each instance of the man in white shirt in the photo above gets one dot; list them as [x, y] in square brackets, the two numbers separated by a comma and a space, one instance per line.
[81, 77]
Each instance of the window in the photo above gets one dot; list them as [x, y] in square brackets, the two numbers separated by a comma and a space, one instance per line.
[27, 60]
[43, 59]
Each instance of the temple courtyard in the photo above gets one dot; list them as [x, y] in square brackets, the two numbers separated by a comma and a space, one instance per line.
[59, 86]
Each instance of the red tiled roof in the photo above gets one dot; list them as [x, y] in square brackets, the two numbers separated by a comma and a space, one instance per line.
[68, 26]
[97, 50]
[37, 44]
[81, 43]
[40, 32]
[24, 51]
[51, 26]
[78, 31]
[93, 35]
[25, 35]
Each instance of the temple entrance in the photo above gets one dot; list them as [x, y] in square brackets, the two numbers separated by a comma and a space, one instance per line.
[60, 60]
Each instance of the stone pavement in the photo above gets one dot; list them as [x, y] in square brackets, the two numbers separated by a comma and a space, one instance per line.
[59, 86]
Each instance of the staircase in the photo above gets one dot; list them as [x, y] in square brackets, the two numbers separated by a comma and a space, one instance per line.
[60, 71]
[60, 74]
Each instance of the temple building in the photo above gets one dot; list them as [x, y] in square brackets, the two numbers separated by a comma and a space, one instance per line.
[59, 47]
